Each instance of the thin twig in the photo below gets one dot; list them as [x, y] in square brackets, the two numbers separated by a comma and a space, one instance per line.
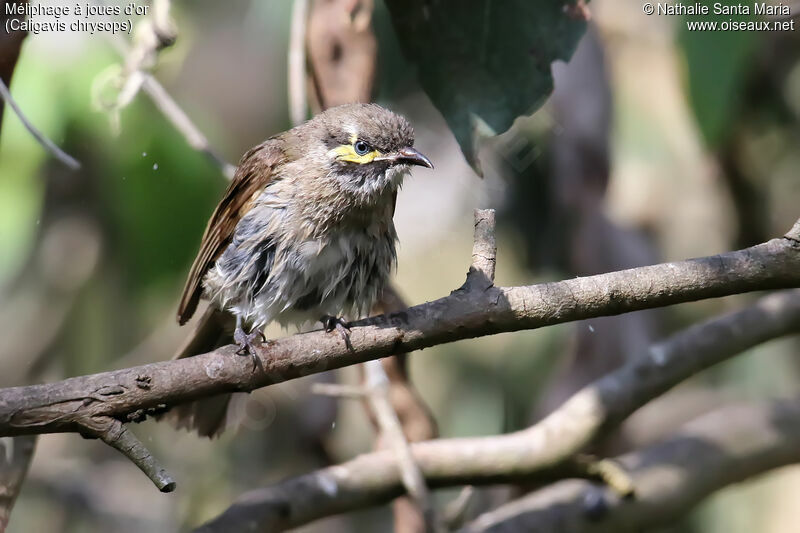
[390, 429]
[55, 151]
[194, 137]
[298, 99]
[116, 435]
[456, 511]
[167, 105]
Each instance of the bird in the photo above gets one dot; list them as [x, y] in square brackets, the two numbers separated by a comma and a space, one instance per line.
[303, 233]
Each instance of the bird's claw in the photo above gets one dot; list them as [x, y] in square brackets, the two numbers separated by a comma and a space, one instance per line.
[340, 325]
[248, 343]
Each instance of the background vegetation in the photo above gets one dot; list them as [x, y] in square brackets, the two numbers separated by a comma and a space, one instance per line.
[658, 144]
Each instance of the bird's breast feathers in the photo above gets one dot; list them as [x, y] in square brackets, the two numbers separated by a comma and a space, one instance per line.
[273, 270]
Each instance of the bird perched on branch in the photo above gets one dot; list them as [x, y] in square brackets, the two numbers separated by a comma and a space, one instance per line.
[303, 233]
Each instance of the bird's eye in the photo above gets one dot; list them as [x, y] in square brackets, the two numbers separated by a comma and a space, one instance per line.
[361, 148]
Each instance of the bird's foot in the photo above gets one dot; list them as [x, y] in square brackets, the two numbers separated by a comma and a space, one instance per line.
[248, 343]
[340, 325]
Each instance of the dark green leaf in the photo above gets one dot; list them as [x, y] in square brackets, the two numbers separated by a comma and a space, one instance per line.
[717, 66]
[483, 62]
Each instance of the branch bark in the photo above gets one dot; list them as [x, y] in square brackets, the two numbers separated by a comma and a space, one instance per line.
[540, 453]
[723, 447]
[130, 394]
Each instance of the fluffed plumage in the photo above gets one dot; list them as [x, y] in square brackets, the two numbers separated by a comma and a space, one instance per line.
[304, 230]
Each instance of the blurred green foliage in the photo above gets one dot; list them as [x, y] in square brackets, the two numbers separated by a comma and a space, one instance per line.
[717, 64]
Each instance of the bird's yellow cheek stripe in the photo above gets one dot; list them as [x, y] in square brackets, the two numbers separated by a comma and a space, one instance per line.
[346, 152]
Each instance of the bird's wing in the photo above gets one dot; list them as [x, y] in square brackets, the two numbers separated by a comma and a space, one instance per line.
[255, 171]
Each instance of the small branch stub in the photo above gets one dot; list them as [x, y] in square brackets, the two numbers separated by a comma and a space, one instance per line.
[794, 233]
[119, 437]
[484, 252]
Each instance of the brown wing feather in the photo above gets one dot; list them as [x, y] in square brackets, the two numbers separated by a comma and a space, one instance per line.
[255, 171]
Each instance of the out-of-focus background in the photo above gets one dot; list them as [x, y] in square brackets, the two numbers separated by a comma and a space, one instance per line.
[657, 144]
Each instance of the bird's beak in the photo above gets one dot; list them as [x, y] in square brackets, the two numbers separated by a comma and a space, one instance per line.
[411, 156]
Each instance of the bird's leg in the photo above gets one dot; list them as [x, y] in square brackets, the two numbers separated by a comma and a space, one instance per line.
[339, 324]
[248, 342]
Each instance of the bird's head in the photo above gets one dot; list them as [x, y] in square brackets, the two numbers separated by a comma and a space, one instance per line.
[365, 148]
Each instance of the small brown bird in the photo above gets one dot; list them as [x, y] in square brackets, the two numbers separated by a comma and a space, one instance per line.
[303, 233]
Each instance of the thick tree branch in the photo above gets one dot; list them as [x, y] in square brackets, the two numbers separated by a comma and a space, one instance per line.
[720, 448]
[129, 394]
[540, 453]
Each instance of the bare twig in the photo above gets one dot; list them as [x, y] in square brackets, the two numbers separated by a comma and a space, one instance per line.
[14, 465]
[116, 435]
[540, 453]
[484, 252]
[158, 94]
[377, 384]
[10, 47]
[456, 511]
[298, 99]
[48, 145]
[194, 137]
[152, 34]
[720, 448]
[69, 404]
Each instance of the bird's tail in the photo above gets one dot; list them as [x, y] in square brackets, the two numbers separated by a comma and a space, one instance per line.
[209, 416]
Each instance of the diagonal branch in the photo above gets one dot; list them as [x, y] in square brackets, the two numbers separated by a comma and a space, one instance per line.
[725, 446]
[159, 33]
[127, 394]
[542, 452]
[122, 439]
[68, 161]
